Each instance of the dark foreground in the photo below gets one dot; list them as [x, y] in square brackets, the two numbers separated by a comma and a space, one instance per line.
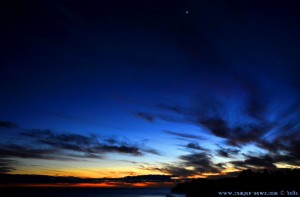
[84, 192]
[248, 183]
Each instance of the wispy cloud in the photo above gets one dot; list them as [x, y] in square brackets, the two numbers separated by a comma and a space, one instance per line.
[195, 163]
[14, 150]
[46, 144]
[85, 144]
[196, 146]
[228, 152]
[265, 161]
[7, 124]
[6, 165]
[145, 116]
[185, 135]
[241, 112]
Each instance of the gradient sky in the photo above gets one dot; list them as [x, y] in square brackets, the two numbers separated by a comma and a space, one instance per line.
[119, 88]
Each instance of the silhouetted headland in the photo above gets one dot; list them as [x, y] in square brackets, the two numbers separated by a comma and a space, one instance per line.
[282, 182]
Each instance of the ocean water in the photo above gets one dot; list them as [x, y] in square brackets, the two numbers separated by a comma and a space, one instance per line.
[87, 192]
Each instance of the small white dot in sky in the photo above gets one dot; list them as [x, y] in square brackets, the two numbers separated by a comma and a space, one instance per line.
[186, 11]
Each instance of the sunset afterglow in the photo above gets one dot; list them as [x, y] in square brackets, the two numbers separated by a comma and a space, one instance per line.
[147, 94]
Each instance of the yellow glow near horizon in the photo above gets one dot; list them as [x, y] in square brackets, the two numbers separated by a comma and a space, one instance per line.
[229, 169]
[114, 172]
[284, 165]
[82, 169]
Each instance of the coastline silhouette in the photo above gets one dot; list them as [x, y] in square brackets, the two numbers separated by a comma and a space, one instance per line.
[282, 182]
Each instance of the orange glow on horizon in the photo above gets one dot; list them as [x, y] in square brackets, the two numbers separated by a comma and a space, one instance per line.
[101, 185]
[206, 175]
[114, 172]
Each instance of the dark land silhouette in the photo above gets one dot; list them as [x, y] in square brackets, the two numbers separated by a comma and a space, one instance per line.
[8, 179]
[282, 182]
[16, 185]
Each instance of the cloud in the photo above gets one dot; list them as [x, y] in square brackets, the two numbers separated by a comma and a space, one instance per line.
[72, 142]
[120, 149]
[176, 170]
[283, 149]
[49, 145]
[13, 150]
[6, 124]
[217, 113]
[225, 175]
[145, 116]
[152, 151]
[6, 165]
[228, 152]
[172, 108]
[264, 161]
[189, 165]
[236, 135]
[223, 153]
[184, 135]
[263, 111]
[195, 146]
[147, 178]
[91, 145]
[200, 161]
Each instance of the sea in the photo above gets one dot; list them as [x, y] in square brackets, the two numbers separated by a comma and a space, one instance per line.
[87, 192]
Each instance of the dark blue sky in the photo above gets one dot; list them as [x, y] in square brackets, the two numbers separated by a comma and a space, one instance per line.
[159, 90]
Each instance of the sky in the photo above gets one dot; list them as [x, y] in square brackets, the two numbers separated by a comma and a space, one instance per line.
[186, 89]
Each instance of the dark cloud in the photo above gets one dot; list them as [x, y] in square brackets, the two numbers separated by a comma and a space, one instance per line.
[72, 142]
[13, 150]
[91, 145]
[120, 149]
[195, 146]
[228, 152]
[189, 165]
[145, 116]
[223, 153]
[7, 124]
[49, 153]
[226, 175]
[264, 161]
[185, 135]
[152, 151]
[258, 120]
[235, 135]
[175, 170]
[287, 142]
[6, 165]
[219, 115]
[200, 161]
[172, 108]
[217, 126]
[242, 110]
[284, 149]
[45, 144]
[172, 118]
